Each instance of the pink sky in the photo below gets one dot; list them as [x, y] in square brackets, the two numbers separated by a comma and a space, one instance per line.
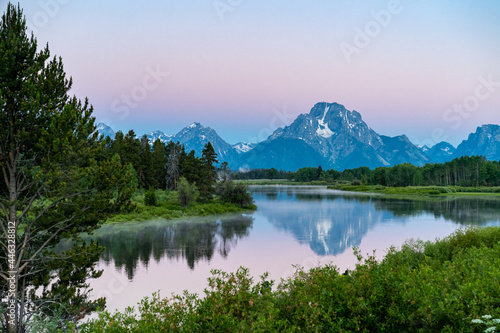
[232, 70]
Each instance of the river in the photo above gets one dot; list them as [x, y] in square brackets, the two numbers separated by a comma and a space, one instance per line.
[294, 225]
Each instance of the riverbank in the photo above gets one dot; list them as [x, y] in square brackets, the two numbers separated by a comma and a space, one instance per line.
[280, 182]
[420, 190]
[450, 285]
[167, 207]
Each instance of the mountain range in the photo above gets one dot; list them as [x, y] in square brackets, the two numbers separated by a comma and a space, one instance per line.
[330, 136]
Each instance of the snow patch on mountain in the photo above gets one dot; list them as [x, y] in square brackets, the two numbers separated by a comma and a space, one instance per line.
[243, 147]
[323, 129]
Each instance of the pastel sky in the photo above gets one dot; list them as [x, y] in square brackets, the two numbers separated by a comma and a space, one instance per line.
[429, 69]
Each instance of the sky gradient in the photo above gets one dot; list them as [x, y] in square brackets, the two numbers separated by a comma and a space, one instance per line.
[427, 69]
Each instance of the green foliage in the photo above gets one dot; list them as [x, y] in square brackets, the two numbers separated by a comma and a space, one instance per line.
[57, 182]
[236, 193]
[272, 173]
[486, 322]
[451, 285]
[188, 193]
[150, 197]
[465, 172]
[356, 182]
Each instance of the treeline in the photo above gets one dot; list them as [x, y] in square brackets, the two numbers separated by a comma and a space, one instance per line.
[264, 174]
[462, 171]
[170, 166]
[161, 166]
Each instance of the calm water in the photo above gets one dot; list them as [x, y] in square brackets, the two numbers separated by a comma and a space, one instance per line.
[306, 226]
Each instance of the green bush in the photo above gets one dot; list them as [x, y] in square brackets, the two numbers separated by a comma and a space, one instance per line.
[188, 193]
[356, 182]
[150, 197]
[235, 193]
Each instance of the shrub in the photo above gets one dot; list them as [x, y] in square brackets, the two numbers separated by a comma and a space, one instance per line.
[236, 193]
[150, 197]
[356, 182]
[188, 193]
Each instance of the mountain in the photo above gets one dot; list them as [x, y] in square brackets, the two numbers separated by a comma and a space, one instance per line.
[344, 140]
[330, 136]
[281, 153]
[485, 141]
[441, 152]
[400, 150]
[105, 130]
[195, 137]
[153, 136]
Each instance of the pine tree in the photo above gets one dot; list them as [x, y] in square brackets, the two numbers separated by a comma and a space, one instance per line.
[146, 179]
[208, 170]
[159, 162]
[55, 184]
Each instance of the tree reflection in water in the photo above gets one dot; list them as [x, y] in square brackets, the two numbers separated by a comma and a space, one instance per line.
[189, 241]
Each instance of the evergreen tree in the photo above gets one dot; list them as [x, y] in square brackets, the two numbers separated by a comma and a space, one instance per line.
[159, 163]
[208, 176]
[54, 184]
[272, 173]
[145, 167]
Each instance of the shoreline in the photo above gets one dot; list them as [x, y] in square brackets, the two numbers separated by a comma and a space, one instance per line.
[420, 191]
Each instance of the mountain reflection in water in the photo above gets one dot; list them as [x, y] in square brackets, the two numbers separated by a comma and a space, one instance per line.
[330, 221]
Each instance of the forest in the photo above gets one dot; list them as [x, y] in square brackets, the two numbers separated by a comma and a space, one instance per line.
[466, 171]
[168, 166]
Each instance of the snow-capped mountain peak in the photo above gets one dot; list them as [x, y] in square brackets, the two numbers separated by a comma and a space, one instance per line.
[153, 136]
[243, 147]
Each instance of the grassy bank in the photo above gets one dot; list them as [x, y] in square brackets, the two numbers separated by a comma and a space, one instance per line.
[451, 285]
[167, 207]
[278, 182]
[420, 190]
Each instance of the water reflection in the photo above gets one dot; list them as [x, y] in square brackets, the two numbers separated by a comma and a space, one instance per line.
[330, 222]
[127, 245]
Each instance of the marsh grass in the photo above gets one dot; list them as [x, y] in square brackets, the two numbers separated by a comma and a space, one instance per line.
[420, 190]
[167, 207]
